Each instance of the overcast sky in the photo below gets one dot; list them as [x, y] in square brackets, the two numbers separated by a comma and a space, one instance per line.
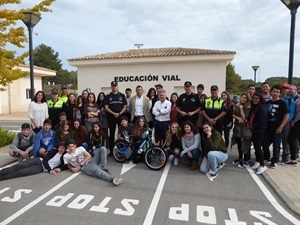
[258, 30]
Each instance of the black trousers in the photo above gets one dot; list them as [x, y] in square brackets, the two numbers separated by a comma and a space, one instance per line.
[112, 124]
[22, 169]
[257, 139]
[293, 140]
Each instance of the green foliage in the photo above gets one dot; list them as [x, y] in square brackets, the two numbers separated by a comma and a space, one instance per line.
[6, 137]
[233, 80]
[279, 80]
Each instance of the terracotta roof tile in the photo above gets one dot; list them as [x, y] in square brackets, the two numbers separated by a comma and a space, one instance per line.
[153, 52]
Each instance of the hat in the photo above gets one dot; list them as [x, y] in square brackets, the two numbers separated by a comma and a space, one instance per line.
[64, 86]
[214, 87]
[54, 91]
[158, 85]
[71, 141]
[187, 83]
[285, 85]
[114, 83]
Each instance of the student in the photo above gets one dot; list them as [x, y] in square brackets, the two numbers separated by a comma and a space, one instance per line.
[173, 142]
[124, 127]
[62, 118]
[93, 143]
[22, 145]
[227, 119]
[173, 113]
[79, 159]
[191, 144]
[52, 163]
[64, 133]
[80, 132]
[214, 150]
[44, 140]
[103, 118]
[91, 112]
[70, 107]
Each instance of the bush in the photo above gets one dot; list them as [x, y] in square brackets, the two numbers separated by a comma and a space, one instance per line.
[6, 137]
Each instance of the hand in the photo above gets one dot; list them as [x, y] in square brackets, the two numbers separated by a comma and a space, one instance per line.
[190, 114]
[24, 154]
[212, 121]
[183, 113]
[52, 172]
[181, 155]
[190, 155]
[209, 134]
[76, 169]
[278, 130]
[57, 170]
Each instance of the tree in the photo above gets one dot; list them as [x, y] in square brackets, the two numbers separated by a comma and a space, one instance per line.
[12, 35]
[233, 80]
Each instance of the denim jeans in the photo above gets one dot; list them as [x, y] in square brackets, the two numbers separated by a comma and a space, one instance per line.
[95, 166]
[212, 160]
[272, 137]
[196, 154]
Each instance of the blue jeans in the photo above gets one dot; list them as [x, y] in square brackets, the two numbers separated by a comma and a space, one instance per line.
[196, 154]
[212, 160]
[271, 137]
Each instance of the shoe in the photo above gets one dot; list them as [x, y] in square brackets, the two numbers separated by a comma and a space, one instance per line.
[241, 164]
[220, 166]
[236, 162]
[117, 181]
[189, 163]
[213, 174]
[194, 165]
[261, 169]
[290, 162]
[106, 170]
[255, 166]
[161, 160]
[273, 166]
[176, 160]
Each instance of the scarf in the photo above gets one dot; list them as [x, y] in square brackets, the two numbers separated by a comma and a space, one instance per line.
[189, 136]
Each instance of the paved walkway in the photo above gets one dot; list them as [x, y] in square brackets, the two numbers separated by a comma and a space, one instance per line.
[284, 179]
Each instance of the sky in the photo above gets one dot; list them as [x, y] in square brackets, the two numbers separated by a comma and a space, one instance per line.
[258, 30]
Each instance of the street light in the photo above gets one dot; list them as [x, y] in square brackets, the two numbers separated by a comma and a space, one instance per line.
[255, 68]
[31, 19]
[292, 6]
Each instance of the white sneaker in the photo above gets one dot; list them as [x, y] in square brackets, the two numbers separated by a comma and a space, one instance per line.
[255, 166]
[117, 181]
[261, 169]
[176, 160]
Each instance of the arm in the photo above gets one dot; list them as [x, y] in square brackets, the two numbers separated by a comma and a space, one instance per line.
[46, 159]
[166, 110]
[52, 142]
[154, 110]
[37, 144]
[283, 122]
[30, 115]
[30, 148]
[15, 143]
[194, 146]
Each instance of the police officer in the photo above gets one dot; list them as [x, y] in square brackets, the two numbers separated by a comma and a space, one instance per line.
[64, 93]
[214, 109]
[188, 105]
[55, 107]
[115, 105]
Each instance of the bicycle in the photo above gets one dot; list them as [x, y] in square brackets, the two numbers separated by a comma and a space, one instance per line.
[155, 157]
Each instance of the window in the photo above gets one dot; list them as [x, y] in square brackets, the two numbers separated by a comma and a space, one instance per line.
[28, 93]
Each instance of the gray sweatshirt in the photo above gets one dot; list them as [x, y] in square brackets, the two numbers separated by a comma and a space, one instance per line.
[21, 143]
[189, 145]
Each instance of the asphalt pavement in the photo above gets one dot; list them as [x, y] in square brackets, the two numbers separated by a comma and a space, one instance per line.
[285, 180]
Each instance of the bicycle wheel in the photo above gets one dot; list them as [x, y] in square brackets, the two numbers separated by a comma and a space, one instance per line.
[155, 158]
[119, 151]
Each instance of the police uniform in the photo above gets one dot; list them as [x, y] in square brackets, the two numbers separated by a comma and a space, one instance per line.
[213, 108]
[188, 103]
[54, 109]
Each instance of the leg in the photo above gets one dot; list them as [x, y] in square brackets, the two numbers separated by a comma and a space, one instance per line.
[267, 140]
[276, 148]
[92, 169]
[257, 140]
[204, 166]
[293, 140]
[100, 157]
[112, 122]
[88, 126]
[42, 152]
[215, 157]
[196, 154]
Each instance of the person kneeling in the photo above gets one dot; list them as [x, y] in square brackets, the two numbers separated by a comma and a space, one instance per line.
[79, 159]
[214, 150]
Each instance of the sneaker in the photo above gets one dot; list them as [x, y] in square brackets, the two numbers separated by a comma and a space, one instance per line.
[241, 164]
[213, 174]
[236, 162]
[261, 169]
[176, 160]
[273, 166]
[117, 181]
[255, 166]
[290, 162]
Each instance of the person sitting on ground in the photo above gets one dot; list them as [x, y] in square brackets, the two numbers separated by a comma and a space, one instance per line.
[173, 142]
[79, 159]
[191, 144]
[80, 132]
[22, 145]
[214, 150]
[93, 143]
[124, 128]
[62, 118]
[64, 133]
[44, 140]
[52, 163]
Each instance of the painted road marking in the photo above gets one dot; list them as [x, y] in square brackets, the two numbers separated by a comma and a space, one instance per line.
[153, 206]
[127, 166]
[271, 198]
[39, 199]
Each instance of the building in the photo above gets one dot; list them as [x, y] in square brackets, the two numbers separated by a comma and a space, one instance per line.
[16, 97]
[170, 67]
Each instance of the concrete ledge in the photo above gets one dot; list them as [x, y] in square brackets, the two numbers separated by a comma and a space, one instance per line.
[5, 158]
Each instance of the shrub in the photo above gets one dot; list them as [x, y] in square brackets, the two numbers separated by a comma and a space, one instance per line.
[6, 137]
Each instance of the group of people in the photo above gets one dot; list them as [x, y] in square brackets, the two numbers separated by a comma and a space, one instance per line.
[193, 127]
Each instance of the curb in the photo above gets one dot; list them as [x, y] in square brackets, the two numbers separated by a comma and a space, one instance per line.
[282, 195]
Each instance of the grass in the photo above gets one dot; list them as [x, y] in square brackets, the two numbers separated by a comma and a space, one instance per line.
[6, 137]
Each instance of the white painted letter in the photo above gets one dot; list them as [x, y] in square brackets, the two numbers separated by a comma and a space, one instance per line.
[129, 209]
[80, 202]
[179, 213]
[210, 218]
[17, 195]
[259, 215]
[101, 207]
[233, 218]
[59, 200]
[4, 190]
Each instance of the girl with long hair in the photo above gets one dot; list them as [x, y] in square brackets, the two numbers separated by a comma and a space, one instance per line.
[91, 112]
[64, 133]
[173, 142]
[103, 118]
[80, 132]
[70, 109]
[173, 114]
[227, 120]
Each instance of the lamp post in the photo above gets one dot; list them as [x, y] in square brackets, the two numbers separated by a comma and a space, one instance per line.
[255, 68]
[30, 20]
[292, 6]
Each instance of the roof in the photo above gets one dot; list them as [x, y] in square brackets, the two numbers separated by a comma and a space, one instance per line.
[36, 67]
[153, 52]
